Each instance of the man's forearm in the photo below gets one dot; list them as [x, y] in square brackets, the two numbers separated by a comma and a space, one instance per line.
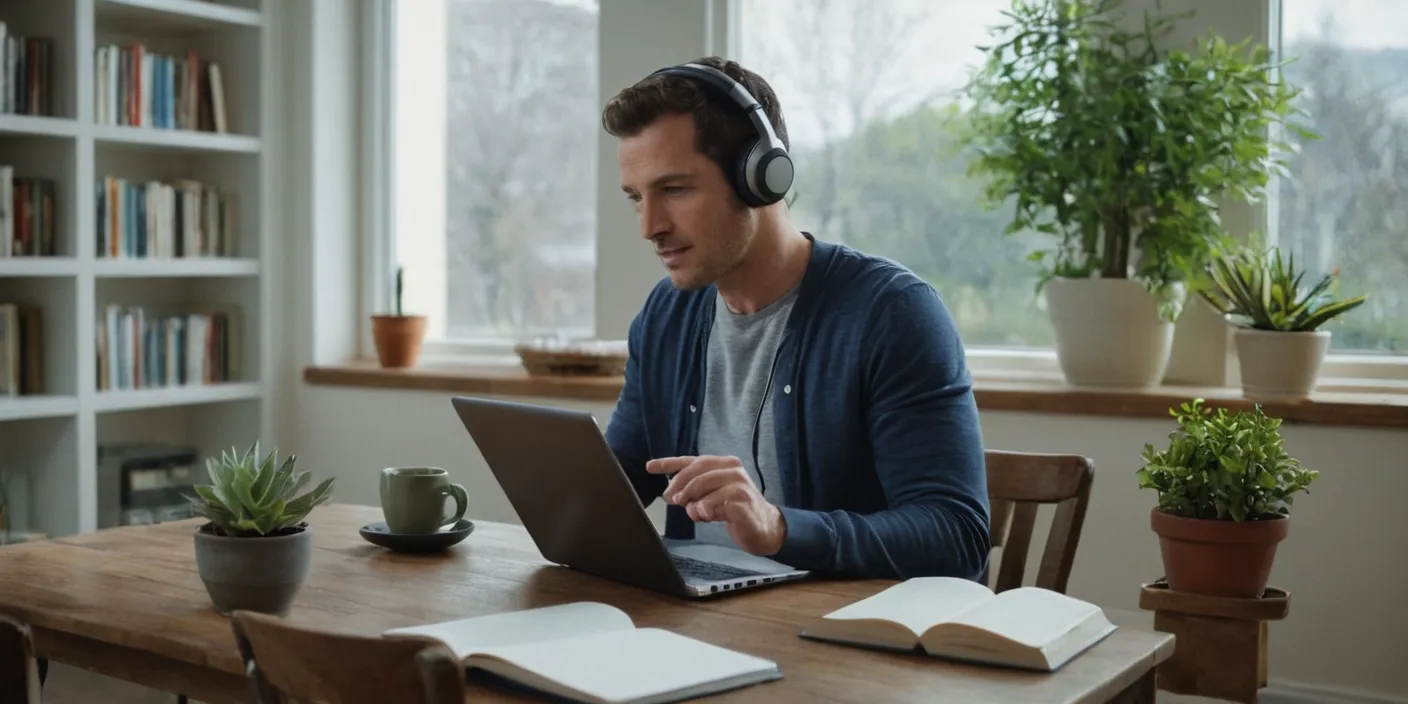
[944, 539]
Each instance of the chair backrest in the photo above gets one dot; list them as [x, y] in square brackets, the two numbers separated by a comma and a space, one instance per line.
[287, 663]
[1018, 483]
[19, 671]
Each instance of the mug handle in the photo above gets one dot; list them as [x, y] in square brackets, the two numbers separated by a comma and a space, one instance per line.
[461, 498]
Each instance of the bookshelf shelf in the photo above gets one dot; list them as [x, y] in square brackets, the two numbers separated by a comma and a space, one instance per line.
[163, 397]
[153, 201]
[173, 15]
[32, 407]
[38, 125]
[177, 267]
[38, 266]
[176, 140]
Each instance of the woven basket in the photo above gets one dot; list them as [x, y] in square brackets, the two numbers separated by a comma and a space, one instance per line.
[576, 358]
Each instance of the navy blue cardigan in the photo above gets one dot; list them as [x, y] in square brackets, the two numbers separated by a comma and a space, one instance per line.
[878, 440]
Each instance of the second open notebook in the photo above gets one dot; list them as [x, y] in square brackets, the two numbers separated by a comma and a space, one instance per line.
[591, 652]
[1028, 627]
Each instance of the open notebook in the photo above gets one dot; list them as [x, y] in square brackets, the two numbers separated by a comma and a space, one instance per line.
[591, 652]
[1028, 627]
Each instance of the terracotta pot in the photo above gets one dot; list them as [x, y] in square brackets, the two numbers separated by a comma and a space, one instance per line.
[398, 339]
[1218, 558]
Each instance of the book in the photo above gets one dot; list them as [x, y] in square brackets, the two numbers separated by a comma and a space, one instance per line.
[593, 652]
[1028, 627]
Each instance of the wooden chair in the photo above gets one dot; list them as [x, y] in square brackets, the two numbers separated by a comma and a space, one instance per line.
[1018, 483]
[19, 670]
[288, 663]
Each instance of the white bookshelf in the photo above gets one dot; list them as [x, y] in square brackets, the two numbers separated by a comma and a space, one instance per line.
[53, 436]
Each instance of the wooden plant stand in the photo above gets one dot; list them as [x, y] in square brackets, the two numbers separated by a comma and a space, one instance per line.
[1220, 643]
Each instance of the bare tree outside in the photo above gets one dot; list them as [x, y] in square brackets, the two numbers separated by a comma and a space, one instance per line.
[1346, 205]
[520, 192]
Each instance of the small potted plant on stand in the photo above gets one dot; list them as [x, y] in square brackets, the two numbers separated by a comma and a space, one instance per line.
[398, 337]
[1279, 343]
[254, 551]
[1119, 147]
[1225, 486]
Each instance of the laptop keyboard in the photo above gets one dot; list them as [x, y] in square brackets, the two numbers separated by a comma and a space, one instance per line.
[709, 571]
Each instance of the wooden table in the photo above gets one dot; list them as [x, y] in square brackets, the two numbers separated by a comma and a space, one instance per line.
[127, 602]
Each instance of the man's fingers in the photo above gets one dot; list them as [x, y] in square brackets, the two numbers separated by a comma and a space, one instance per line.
[727, 503]
[667, 465]
[703, 483]
[698, 465]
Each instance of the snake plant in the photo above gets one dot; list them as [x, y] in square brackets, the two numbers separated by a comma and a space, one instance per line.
[1264, 292]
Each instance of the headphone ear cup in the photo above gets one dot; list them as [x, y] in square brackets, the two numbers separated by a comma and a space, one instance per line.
[774, 174]
[744, 172]
[766, 173]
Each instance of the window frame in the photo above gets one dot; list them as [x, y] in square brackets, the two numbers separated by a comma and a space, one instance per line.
[1340, 370]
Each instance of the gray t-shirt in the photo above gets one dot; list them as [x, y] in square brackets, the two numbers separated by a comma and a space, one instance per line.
[739, 363]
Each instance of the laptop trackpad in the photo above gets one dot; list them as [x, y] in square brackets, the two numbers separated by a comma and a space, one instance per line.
[709, 552]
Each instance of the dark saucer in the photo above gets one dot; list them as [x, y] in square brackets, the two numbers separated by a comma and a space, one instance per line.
[378, 534]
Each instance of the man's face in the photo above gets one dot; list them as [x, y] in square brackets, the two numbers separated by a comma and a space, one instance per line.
[688, 211]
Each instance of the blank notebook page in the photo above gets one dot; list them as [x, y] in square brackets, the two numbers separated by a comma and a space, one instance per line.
[468, 635]
[630, 664]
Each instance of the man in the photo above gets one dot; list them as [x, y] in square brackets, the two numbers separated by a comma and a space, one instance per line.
[794, 397]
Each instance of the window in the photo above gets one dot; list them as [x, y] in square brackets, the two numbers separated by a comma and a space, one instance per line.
[1345, 205]
[494, 118]
[869, 92]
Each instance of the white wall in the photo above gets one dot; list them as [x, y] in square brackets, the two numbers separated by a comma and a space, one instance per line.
[1352, 517]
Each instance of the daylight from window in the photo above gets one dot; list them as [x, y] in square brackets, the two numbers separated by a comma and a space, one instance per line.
[1345, 206]
[869, 91]
[496, 123]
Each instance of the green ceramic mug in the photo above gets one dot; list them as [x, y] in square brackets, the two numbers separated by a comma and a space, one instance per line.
[413, 499]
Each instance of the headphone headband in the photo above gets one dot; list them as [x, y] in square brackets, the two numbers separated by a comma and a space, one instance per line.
[764, 171]
[729, 88]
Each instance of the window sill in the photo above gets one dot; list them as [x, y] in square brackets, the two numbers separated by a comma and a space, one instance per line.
[1371, 409]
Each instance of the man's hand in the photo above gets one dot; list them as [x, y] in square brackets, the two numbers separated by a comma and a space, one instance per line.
[714, 488]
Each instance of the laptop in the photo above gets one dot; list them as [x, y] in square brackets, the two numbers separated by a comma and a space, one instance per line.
[563, 480]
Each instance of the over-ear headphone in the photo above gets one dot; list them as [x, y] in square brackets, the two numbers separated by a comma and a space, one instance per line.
[763, 171]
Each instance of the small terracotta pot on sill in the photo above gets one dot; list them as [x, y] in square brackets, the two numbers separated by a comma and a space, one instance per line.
[398, 339]
[1218, 558]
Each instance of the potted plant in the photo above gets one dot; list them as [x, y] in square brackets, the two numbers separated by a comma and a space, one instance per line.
[253, 552]
[1225, 487]
[1119, 148]
[398, 337]
[1280, 345]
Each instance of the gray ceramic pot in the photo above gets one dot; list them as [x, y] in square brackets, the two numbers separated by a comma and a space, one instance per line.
[254, 574]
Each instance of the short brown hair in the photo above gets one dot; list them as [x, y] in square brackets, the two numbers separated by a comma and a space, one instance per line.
[720, 128]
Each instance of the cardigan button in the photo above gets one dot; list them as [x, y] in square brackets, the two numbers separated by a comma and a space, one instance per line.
[691, 408]
[787, 389]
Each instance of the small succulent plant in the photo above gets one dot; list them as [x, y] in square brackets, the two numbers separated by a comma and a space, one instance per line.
[1263, 291]
[250, 496]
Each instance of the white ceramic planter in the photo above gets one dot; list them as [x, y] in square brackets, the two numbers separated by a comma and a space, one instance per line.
[1280, 365]
[1108, 332]
[1203, 352]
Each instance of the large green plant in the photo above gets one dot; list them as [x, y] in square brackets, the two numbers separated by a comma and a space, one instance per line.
[1263, 291]
[250, 496]
[1118, 146]
[1224, 466]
